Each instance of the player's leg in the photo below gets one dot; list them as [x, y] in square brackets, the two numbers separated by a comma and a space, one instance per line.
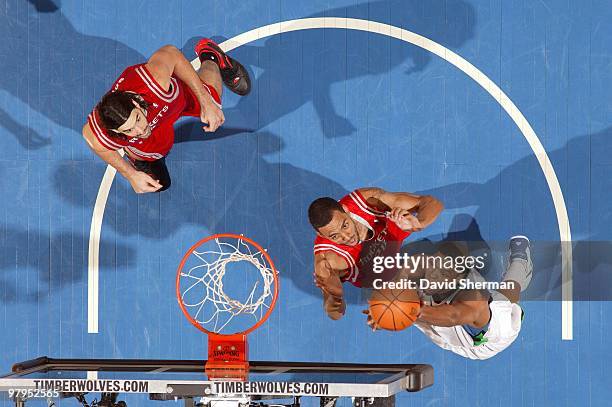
[156, 169]
[209, 73]
[519, 269]
[229, 71]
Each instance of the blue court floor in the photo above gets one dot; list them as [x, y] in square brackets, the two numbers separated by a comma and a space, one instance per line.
[332, 109]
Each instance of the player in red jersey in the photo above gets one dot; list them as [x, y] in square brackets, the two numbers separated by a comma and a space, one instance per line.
[365, 224]
[138, 113]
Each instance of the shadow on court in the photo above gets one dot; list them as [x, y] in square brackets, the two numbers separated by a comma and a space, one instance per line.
[307, 67]
[35, 265]
[464, 228]
[66, 70]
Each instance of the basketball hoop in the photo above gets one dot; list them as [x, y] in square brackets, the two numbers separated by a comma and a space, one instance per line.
[227, 286]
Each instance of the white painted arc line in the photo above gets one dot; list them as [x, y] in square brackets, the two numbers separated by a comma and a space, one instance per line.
[93, 278]
[480, 78]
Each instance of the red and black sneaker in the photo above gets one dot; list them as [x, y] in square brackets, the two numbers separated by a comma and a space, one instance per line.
[234, 76]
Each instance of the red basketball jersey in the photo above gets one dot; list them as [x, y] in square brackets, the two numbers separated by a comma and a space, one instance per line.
[165, 107]
[386, 240]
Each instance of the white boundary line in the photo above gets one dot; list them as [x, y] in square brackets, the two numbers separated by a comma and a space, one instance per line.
[93, 257]
[422, 42]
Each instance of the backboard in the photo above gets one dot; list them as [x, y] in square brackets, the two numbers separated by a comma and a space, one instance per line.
[368, 384]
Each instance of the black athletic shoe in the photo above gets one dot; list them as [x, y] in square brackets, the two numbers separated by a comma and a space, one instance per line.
[520, 253]
[234, 76]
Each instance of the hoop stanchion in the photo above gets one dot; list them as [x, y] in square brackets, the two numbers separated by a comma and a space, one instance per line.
[227, 287]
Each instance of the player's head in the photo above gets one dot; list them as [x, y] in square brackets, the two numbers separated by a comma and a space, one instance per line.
[124, 113]
[328, 217]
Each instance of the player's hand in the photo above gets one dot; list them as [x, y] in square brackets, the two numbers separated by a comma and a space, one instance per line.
[405, 220]
[370, 321]
[142, 183]
[211, 115]
[421, 309]
[335, 305]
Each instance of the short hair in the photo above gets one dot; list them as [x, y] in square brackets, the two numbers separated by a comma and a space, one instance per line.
[115, 107]
[321, 211]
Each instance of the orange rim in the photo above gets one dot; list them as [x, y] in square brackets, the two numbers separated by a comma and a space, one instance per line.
[218, 236]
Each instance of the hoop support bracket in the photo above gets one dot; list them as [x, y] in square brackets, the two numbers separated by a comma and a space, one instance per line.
[228, 357]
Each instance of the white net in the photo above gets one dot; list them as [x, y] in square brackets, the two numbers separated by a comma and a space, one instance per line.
[206, 291]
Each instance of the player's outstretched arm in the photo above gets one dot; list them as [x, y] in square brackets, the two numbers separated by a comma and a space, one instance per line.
[327, 271]
[427, 207]
[140, 181]
[460, 313]
[168, 61]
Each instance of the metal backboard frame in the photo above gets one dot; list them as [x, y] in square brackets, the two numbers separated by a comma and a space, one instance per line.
[271, 378]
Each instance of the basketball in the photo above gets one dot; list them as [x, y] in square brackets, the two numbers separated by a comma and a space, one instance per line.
[394, 310]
